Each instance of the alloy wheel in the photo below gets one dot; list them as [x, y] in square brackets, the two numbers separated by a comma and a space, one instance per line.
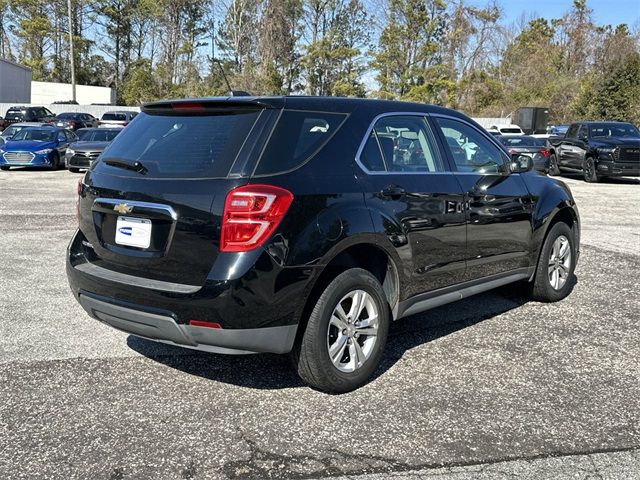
[559, 262]
[352, 332]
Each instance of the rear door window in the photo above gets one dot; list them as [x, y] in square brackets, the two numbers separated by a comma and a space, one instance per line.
[297, 137]
[183, 145]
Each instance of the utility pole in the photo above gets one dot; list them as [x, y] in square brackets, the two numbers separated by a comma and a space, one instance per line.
[73, 66]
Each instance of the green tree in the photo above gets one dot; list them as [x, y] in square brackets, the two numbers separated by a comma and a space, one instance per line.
[409, 52]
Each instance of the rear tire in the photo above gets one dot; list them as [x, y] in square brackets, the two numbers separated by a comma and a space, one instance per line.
[4, 167]
[345, 336]
[554, 170]
[554, 273]
[589, 170]
[73, 169]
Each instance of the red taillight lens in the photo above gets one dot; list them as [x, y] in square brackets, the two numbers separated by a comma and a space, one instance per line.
[545, 152]
[204, 323]
[251, 214]
[512, 151]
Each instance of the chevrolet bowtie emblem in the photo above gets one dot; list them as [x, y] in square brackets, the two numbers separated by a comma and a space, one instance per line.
[123, 208]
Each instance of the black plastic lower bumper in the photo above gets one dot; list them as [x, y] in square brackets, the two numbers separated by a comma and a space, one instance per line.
[163, 328]
[619, 169]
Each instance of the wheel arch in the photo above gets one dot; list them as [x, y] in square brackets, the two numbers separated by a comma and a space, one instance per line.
[367, 255]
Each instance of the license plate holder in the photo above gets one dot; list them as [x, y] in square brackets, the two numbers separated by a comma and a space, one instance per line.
[133, 232]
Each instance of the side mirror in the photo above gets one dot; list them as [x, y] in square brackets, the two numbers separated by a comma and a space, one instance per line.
[521, 163]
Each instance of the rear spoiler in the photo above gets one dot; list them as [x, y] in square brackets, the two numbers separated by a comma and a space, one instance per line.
[207, 105]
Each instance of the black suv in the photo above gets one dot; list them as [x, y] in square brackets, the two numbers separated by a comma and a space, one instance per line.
[306, 225]
[29, 114]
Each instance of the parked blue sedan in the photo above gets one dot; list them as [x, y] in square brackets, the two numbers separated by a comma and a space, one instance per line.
[36, 147]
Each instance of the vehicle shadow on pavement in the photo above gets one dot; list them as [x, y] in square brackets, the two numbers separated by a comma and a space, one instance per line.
[270, 371]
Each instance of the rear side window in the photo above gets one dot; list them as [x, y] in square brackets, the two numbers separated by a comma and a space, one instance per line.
[182, 146]
[298, 136]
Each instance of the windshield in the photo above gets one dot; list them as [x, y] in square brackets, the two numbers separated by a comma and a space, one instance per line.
[613, 130]
[523, 141]
[36, 134]
[184, 145]
[97, 135]
[11, 131]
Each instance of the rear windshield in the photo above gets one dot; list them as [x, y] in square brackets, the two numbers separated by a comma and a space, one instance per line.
[15, 114]
[523, 141]
[181, 146]
[298, 135]
[120, 117]
[68, 115]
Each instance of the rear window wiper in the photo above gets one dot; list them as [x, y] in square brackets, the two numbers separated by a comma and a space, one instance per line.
[135, 166]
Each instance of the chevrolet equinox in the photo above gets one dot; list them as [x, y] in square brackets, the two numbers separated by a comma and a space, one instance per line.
[305, 225]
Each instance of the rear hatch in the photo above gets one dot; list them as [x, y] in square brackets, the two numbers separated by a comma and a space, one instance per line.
[151, 206]
[113, 120]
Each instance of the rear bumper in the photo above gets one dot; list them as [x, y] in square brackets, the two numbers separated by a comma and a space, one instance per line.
[163, 328]
[258, 312]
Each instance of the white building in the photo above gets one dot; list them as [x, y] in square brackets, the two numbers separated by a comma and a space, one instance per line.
[15, 82]
[45, 93]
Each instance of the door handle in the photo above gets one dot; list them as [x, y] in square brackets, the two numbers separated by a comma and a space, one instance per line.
[393, 191]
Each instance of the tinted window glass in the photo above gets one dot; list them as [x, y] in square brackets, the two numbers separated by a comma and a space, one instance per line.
[510, 130]
[68, 116]
[573, 131]
[114, 116]
[471, 151]
[407, 144]
[296, 137]
[523, 141]
[103, 135]
[184, 145]
[613, 130]
[371, 156]
[84, 134]
[15, 114]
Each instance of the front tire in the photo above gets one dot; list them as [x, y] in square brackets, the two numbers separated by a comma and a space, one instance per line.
[73, 169]
[554, 274]
[4, 167]
[345, 335]
[589, 170]
[55, 162]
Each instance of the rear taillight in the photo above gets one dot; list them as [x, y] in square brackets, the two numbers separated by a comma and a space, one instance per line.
[544, 152]
[251, 214]
[512, 151]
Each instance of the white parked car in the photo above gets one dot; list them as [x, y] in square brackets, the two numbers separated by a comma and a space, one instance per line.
[505, 130]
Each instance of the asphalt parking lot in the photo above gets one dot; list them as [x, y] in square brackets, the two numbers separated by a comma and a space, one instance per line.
[490, 387]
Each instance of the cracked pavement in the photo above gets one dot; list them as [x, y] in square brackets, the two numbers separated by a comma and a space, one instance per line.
[490, 387]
